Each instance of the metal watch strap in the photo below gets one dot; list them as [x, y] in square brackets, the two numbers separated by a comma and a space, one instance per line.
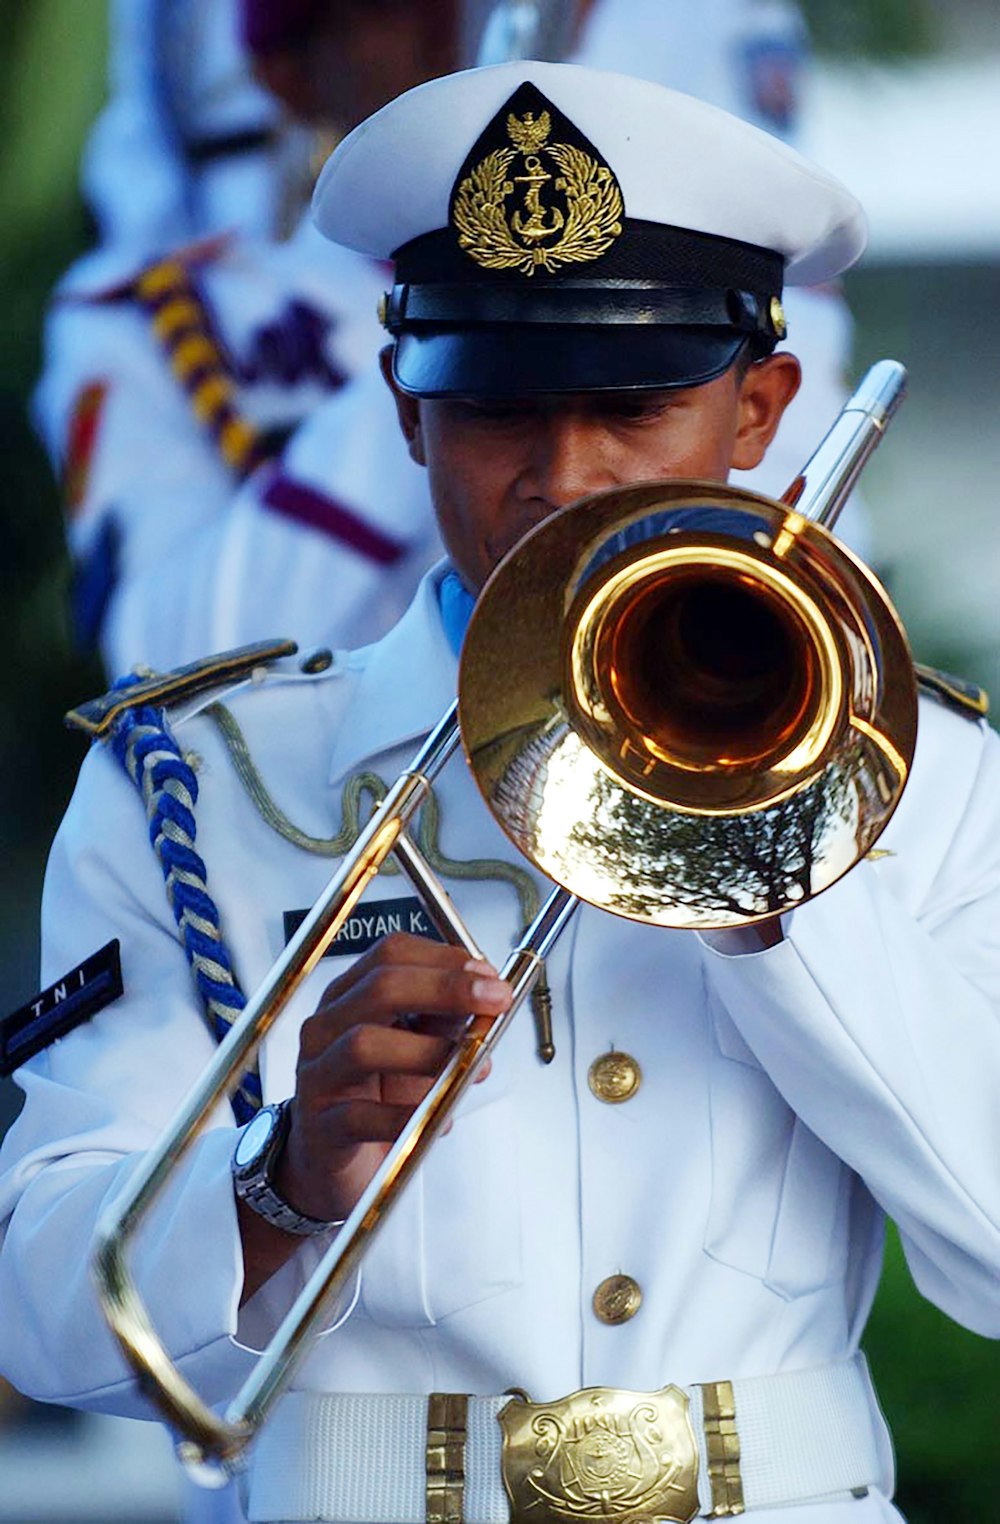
[255, 1186]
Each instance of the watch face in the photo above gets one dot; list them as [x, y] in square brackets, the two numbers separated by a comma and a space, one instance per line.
[254, 1138]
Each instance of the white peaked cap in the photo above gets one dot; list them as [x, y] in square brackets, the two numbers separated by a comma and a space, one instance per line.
[678, 162]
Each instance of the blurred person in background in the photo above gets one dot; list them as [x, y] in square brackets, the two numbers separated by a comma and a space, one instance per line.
[165, 391]
[190, 143]
[174, 380]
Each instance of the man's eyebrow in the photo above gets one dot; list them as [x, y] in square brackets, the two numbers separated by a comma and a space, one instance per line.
[481, 399]
[596, 401]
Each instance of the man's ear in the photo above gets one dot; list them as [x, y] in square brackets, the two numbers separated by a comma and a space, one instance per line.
[765, 391]
[407, 410]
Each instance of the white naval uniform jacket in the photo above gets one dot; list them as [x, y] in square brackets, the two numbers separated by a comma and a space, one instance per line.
[331, 540]
[789, 1096]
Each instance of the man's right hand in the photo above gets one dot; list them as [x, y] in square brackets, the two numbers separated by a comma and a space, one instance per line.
[367, 1057]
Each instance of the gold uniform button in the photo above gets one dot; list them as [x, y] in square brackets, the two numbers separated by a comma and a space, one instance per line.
[614, 1077]
[617, 1299]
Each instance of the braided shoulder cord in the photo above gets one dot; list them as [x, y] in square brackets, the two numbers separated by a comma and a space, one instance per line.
[528, 899]
[271, 812]
[476, 868]
[184, 330]
[359, 784]
[145, 747]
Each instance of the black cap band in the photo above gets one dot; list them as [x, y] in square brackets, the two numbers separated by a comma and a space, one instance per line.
[677, 256]
[617, 303]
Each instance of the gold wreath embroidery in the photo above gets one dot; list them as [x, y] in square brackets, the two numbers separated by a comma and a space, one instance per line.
[519, 241]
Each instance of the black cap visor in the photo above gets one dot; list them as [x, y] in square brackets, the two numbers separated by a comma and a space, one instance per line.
[514, 360]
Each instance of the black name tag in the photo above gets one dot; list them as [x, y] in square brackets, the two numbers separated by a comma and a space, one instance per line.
[368, 924]
[68, 1003]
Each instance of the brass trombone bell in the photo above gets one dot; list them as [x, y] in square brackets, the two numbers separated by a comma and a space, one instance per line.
[706, 711]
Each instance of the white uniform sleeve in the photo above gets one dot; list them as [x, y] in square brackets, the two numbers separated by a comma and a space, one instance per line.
[878, 1020]
[327, 547]
[151, 469]
[97, 1099]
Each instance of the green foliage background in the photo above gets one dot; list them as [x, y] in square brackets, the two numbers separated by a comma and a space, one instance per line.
[51, 84]
[883, 29]
[938, 1383]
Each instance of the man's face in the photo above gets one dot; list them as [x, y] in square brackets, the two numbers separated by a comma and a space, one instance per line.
[499, 468]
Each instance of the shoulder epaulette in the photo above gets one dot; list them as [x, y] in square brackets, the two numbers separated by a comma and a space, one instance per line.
[97, 717]
[955, 692]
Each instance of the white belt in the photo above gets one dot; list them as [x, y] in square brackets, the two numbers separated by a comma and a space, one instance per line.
[365, 1459]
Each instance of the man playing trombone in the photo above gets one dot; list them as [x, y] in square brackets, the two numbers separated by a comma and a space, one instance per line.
[630, 1280]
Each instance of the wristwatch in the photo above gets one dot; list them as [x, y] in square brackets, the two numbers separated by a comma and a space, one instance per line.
[254, 1161]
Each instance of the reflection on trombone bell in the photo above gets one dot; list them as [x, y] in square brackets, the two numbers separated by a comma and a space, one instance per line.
[686, 704]
[717, 729]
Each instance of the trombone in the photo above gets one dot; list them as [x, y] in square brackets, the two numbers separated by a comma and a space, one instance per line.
[681, 751]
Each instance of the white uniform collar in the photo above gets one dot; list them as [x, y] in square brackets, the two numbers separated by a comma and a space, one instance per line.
[406, 682]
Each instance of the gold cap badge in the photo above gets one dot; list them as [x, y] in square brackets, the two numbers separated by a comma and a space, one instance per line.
[524, 203]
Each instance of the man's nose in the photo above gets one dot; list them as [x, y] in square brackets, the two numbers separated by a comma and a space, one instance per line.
[569, 457]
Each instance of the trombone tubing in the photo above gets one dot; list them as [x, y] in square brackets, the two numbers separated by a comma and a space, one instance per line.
[823, 485]
[120, 1302]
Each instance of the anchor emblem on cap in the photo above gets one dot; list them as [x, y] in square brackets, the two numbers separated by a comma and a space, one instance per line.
[537, 235]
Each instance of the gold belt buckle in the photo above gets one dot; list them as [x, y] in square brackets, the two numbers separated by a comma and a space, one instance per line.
[600, 1454]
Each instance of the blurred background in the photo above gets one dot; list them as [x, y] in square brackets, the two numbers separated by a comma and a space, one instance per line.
[904, 105]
